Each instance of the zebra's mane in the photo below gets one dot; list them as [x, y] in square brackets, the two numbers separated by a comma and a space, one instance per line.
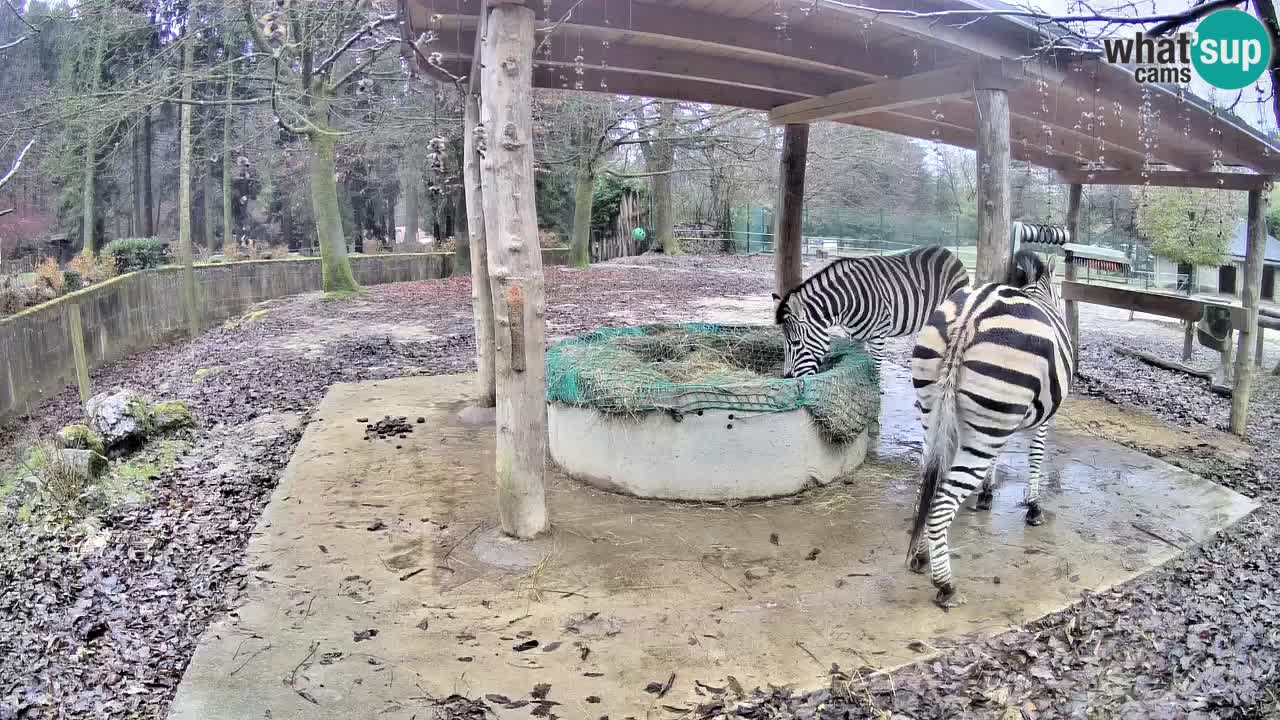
[786, 297]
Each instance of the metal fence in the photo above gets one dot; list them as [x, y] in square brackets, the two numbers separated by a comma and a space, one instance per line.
[880, 230]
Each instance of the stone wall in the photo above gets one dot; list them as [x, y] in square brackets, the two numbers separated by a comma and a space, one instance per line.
[141, 310]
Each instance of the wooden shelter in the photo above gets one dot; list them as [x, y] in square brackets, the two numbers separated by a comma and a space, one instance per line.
[942, 70]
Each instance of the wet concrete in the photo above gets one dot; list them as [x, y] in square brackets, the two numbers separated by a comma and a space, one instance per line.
[624, 592]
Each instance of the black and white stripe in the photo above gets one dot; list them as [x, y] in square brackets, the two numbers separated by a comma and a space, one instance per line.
[872, 298]
[991, 361]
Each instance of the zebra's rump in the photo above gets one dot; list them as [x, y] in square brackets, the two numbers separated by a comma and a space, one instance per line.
[1011, 352]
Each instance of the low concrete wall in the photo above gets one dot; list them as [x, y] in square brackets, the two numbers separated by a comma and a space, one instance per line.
[140, 310]
[715, 455]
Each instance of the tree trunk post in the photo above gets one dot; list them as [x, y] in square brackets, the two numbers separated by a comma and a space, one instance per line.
[148, 199]
[409, 175]
[75, 327]
[1188, 339]
[1073, 308]
[663, 154]
[335, 267]
[1250, 296]
[994, 232]
[228, 216]
[515, 268]
[481, 293]
[789, 228]
[90, 189]
[583, 194]
[185, 162]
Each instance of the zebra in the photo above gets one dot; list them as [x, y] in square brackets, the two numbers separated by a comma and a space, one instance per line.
[872, 298]
[992, 360]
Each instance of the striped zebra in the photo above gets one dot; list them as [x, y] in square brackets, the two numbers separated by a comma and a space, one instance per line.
[992, 360]
[872, 298]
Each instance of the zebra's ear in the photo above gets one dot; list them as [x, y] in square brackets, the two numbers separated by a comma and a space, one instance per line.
[777, 298]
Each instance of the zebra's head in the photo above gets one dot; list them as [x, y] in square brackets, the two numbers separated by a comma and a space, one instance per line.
[804, 344]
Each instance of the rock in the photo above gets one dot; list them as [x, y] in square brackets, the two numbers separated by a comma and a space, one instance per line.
[172, 415]
[86, 464]
[119, 417]
[81, 437]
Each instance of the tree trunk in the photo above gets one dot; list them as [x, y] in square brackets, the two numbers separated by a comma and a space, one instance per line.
[515, 269]
[580, 247]
[462, 241]
[1250, 296]
[409, 188]
[663, 158]
[993, 185]
[789, 236]
[148, 201]
[336, 267]
[206, 190]
[1074, 195]
[228, 222]
[90, 190]
[481, 290]
[136, 222]
[185, 163]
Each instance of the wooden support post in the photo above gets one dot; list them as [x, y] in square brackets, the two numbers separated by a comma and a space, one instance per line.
[1073, 308]
[993, 184]
[75, 327]
[788, 233]
[515, 268]
[1257, 355]
[1188, 339]
[1250, 296]
[481, 293]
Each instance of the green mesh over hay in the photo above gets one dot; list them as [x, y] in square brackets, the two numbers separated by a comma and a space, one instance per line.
[701, 366]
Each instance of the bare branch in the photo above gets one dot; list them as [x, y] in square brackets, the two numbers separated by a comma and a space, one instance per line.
[1167, 21]
[368, 28]
[17, 163]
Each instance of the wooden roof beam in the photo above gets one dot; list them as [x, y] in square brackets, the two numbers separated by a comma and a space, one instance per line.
[1168, 178]
[748, 38]
[900, 92]
[963, 137]
[673, 64]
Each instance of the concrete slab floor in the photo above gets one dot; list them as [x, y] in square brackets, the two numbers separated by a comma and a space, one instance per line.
[377, 578]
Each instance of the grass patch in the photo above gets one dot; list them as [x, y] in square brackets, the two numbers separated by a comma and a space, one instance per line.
[128, 480]
[205, 373]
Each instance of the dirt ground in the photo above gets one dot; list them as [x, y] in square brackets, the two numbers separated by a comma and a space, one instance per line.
[109, 633]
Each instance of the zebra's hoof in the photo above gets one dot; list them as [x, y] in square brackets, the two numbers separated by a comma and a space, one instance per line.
[948, 598]
[918, 563]
[985, 499]
[1035, 516]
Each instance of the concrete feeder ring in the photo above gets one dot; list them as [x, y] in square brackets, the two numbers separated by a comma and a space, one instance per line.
[700, 411]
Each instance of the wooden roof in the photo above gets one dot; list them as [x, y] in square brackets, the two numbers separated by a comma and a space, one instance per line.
[1071, 111]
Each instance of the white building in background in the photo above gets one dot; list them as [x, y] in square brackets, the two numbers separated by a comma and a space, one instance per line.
[1225, 279]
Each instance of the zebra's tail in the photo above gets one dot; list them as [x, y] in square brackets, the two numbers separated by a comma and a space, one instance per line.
[944, 430]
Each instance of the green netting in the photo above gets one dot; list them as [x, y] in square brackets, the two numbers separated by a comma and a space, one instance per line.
[689, 367]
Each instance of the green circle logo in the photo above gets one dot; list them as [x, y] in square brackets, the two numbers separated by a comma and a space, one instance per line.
[1232, 49]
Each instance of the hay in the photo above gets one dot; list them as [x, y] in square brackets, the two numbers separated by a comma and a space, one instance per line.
[697, 366]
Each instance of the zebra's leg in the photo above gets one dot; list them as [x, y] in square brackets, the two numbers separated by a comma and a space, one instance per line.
[875, 348]
[987, 494]
[1035, 516]
[966, 474]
